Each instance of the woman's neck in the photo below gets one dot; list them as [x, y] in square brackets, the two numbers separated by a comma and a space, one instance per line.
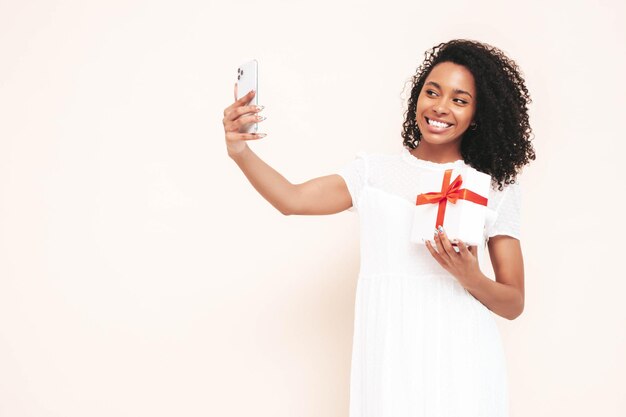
[440, 154]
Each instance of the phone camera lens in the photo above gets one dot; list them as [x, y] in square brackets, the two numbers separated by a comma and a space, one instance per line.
[239, 77]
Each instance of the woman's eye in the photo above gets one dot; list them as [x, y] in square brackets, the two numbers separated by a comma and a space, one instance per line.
[428, 92]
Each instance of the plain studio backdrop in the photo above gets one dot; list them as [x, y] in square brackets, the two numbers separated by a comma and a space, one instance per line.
[141, 274]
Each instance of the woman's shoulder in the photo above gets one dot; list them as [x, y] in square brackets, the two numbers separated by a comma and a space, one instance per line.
[511, 192]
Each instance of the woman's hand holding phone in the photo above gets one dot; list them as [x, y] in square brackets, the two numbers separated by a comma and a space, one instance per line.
[236, 116]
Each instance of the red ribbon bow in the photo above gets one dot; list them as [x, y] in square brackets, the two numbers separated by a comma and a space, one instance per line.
[449, 192]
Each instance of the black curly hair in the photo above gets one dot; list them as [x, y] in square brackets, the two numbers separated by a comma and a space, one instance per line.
[501, 144]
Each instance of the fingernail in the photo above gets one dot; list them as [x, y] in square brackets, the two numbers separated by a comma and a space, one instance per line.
[261, 135]
[259, 108]
[440, 229]
[261, 118]
[436, 232]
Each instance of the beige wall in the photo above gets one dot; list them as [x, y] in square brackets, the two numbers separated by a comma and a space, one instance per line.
[141, 274]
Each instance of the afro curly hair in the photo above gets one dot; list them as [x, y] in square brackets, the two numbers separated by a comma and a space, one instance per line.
[500, 145]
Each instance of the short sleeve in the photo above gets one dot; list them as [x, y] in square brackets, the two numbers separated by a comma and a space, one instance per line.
[507, 205]
[355, 176]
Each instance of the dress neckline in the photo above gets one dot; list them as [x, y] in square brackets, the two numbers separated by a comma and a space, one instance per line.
[412, 159]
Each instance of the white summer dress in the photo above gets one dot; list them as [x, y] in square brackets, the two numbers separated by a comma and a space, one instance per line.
[423, 346]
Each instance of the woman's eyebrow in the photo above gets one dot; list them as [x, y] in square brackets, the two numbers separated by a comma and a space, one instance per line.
[455, 90]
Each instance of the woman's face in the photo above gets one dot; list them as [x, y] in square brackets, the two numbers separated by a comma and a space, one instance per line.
[448, 96]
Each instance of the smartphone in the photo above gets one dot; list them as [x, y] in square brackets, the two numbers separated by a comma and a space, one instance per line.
[247, 80]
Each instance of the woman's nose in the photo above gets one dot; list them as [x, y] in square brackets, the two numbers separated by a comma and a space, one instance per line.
[439, 108]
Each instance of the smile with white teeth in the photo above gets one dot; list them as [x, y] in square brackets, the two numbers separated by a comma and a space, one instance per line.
[437, 124]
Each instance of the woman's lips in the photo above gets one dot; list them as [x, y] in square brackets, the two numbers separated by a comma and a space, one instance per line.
[435, 129]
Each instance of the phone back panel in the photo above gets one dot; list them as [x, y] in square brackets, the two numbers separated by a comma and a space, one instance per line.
[247, 80]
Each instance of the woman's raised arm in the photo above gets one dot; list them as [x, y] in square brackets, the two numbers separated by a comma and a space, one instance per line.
[323, 195]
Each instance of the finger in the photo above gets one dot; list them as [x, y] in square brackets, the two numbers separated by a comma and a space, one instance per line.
[439, 247]
[233, 114]
[463, 249]
[445, 243]
[434, 253]
[238, 103]
[247, 98]
[252, 108]
[430, 244]
[235, 136]
[246, 120]
[253, 136]
[474, 250]
[234, 123]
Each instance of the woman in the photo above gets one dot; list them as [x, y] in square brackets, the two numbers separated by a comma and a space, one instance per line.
[425, 340]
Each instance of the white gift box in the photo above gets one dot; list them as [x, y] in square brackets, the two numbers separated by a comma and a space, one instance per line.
[460, 196]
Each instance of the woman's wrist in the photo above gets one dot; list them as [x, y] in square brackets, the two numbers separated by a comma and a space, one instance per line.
[238, 154]
[475, 281]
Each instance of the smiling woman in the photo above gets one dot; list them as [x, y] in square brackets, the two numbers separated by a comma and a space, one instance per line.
[479, 91]
[441, 109]
[425, 343]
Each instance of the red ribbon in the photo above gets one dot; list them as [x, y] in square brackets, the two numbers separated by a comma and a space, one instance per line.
[449, 192]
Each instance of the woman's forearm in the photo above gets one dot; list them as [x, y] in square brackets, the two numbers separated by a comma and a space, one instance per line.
[275, 188]
[504, 300]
